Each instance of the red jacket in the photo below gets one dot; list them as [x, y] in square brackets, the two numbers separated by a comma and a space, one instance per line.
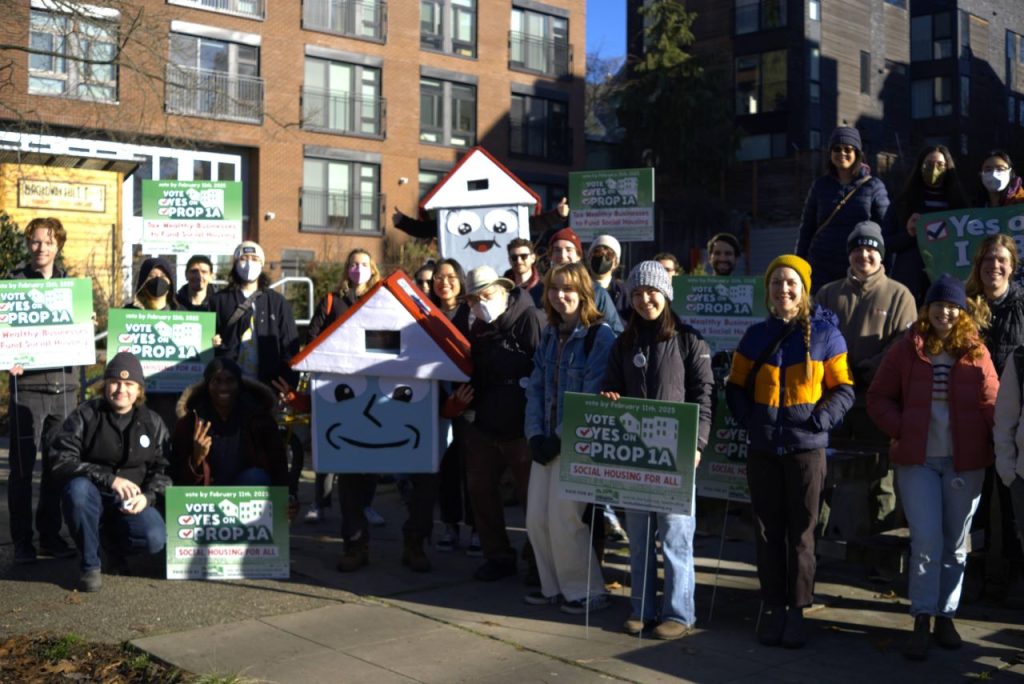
[900, 403]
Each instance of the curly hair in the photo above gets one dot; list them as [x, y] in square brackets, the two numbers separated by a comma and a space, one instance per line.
[51, 225]
[963, 340]
[575, 276]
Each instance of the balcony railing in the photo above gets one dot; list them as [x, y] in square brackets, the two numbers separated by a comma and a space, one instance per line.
[214, 94]
[540, 141]
[255, 9]
[343, 113]
[354, 18]
[545, 55]
[342, 212]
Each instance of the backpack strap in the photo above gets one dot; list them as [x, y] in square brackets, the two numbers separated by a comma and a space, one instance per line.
[330, 303]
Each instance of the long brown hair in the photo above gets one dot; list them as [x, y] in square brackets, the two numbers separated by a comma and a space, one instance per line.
[974, 287]
[576, 276]
[963, 340]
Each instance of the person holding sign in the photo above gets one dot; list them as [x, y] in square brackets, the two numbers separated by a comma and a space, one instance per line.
[935, 396]
[40, 400]
[790, 384]
[571, 357]
[660, 357]
[197, 293]
[110, 456]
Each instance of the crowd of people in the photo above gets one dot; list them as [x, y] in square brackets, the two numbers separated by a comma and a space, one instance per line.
[860, 352]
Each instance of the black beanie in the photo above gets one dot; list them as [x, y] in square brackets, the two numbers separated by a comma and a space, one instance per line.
[866, 234]
[124, 366]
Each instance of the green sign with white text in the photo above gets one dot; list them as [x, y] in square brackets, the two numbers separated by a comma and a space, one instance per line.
[949, 239]
[722, 473]
[191, 217]
[617, 202]
[634, 453]
[721, 308]
[227, 533]
[173, 346]
[46, 323]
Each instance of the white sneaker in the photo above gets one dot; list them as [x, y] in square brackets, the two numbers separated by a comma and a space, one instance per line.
[313, 515]
[373, 517]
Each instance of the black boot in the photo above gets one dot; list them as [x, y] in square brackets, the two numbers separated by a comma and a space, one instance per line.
[413, 555]
[946, 635]
[773, 622]
[357, 554]
[795, 633]
[916, 647]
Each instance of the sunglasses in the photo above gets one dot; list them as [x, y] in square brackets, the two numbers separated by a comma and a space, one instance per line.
[519, 257]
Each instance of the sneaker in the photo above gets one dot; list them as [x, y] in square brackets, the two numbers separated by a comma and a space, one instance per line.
[314, 515]
[91, 580]
[537, 598]
[580, 606]
[448, 539]
[474, 549]
[373, 517]
[634, 625]
[945, 633]
[24, 554]
[492, 570]
[671, 629]
[56, 547]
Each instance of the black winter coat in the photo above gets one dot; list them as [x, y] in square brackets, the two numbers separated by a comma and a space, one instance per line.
[277, 338]
[91, 445]
[1007, 330]
[324, 315]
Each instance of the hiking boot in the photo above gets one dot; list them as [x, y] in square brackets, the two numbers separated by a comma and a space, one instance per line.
[773, 623]
[537, 598]
[916, 647]
[671, 629]
[91, 580]
[634, 625]
[413, 555]
[24, 554]
[357, 554]
[794, 634]
[581, 606]
[945, 634]
[494, 570]
[56, 547]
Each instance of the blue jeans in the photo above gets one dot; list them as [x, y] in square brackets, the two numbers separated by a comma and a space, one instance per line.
[939, 504]
[676, 532]
[92, 515]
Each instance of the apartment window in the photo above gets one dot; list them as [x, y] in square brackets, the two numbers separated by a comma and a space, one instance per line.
[550, 193]
[448, 26]
[965, 32]
[539, 42]
[759, 15]
[814, 76]
[247, 8]
[762, 146]
[342, 98]
[447, 113]
[965, 96]
[539, 127]
[931, 97]
[427, 179]
[366, 19]
[214, 78]
[340, 196]
[814, 10]
[761, 82]
[931, 37]
[72, 55]
[865, 72]
[293, 261]
[814, 139]
[902, 4]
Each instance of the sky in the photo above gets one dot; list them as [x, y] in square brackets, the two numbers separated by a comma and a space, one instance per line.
[606, 27]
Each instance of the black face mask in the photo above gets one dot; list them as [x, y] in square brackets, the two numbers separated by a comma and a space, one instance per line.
[599, 265]
[157, 287]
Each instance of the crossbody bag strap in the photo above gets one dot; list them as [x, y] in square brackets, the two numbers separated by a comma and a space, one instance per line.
[856, 186]
[764, 356]
[244, 307]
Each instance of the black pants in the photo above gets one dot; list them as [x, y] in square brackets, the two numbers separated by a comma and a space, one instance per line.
[785, 492]
[453, 492]
[35, 417]
[355, 492]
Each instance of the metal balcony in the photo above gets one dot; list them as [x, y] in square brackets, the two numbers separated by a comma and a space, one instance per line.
[365, 19]
[343, 113]
[324, 211]
[214, 94]
[544, 55]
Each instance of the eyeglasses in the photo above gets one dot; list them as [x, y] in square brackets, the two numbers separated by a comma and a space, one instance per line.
[989, 169]
[844, 149]
[519, 257]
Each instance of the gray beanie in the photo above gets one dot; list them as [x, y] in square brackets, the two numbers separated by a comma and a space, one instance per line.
[866, 234]
[650, 274]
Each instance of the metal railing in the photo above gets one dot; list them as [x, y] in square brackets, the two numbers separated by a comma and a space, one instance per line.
[215, 94]
[342, 212]
[343, 113]
[354, 18]
[245, 8]
[546, 55]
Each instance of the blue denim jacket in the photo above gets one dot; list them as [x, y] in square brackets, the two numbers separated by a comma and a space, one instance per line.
[576, 373]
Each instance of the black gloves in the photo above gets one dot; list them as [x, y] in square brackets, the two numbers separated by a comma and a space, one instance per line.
[544, 450]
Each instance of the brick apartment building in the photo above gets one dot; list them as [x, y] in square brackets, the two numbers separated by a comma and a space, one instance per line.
[331, 112]
[906, 73]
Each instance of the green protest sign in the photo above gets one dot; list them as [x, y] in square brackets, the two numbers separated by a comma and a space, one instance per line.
[46, 323]
[948, 239]
[721, 308]
[173, 346]
[722, 473]
[191, 217]
[618, 202]
[635, 453]
[227, 532]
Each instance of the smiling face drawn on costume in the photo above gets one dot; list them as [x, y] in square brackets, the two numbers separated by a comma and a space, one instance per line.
[371, 418]
[480, 236]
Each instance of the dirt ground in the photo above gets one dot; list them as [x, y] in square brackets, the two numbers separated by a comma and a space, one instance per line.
[46, 658]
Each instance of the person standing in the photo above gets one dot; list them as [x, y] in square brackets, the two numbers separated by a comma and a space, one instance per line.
[197, 292]
[523, 270]
[565, 248]
[998, 183]
[790, 384]
[39, 401]
[723, 253]
[935, 396]
[603, 259]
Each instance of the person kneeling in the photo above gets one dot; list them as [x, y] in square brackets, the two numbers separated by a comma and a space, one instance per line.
[109, 458]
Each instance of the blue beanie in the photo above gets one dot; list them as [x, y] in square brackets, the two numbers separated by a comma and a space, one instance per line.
[845, 135]
[947, 289]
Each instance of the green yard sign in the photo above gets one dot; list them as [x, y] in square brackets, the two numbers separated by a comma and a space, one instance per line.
[173, 346]
[191, 217]
[949, 239]
[46, 323]
[617, 202]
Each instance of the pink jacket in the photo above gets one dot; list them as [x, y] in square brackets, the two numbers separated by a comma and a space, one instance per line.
[900, 399]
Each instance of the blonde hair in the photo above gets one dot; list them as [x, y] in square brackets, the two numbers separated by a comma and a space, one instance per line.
[346, 284]
[974, 287]
[575, 275]
[963, 340]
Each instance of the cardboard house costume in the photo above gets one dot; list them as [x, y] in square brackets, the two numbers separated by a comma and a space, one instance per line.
[481, 207]
[374, 386]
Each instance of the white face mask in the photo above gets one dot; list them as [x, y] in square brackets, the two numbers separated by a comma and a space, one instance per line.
[489, 311]
[995, 181]
[248, 270]
[359, 274]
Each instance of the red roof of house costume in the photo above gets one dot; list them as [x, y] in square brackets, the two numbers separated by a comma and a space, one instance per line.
[500, 186]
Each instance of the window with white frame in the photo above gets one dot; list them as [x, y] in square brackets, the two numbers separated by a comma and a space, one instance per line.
[539, 42]
[73, 53]
[214, 78]
[447, 113]
[448, 26]
[364, 19]
[342, 97]
[340, 196]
